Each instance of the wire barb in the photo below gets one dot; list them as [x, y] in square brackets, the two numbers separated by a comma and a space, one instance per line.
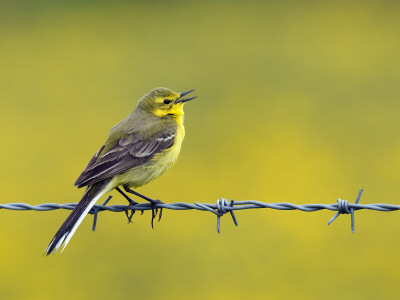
[95, 210]
[343, 208]
[221, 211]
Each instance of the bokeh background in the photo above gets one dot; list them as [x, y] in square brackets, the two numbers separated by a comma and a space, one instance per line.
[298, 102]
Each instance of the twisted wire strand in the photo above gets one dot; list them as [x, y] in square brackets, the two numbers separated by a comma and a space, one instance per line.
[239, 205]
[221, 207]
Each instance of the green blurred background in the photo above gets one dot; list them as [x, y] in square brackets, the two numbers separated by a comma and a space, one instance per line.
[298, 102]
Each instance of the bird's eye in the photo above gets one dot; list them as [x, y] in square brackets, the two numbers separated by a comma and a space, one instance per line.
[166, 101]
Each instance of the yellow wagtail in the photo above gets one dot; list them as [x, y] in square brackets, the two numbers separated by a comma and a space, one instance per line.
[137, 150]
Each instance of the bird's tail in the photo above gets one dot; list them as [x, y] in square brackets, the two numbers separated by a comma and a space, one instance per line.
[68, 228]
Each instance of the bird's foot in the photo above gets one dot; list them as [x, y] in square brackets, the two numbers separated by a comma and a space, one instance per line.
[154, 210]
[153, 203]
[130, 208]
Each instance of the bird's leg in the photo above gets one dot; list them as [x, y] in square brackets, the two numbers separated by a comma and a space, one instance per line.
[153, 203]
[129, 207]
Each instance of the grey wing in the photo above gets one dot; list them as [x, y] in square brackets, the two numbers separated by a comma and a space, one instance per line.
[128, 152]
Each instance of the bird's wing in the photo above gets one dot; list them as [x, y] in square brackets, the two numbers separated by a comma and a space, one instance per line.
[128, 152]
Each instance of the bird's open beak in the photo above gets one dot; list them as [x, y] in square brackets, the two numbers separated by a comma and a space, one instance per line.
[182, 100]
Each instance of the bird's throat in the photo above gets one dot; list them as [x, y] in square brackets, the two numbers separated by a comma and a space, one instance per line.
[176, 112]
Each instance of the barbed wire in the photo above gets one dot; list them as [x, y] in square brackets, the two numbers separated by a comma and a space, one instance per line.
[221, 207]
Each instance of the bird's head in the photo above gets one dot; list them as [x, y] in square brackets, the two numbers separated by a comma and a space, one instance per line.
[164, 102]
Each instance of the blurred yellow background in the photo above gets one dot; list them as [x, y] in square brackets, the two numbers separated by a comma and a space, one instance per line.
[298, 102]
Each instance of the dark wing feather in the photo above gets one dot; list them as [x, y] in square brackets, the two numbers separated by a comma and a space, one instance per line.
[128, 152]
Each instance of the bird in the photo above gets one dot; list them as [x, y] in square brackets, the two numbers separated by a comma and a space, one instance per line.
[137, 150]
